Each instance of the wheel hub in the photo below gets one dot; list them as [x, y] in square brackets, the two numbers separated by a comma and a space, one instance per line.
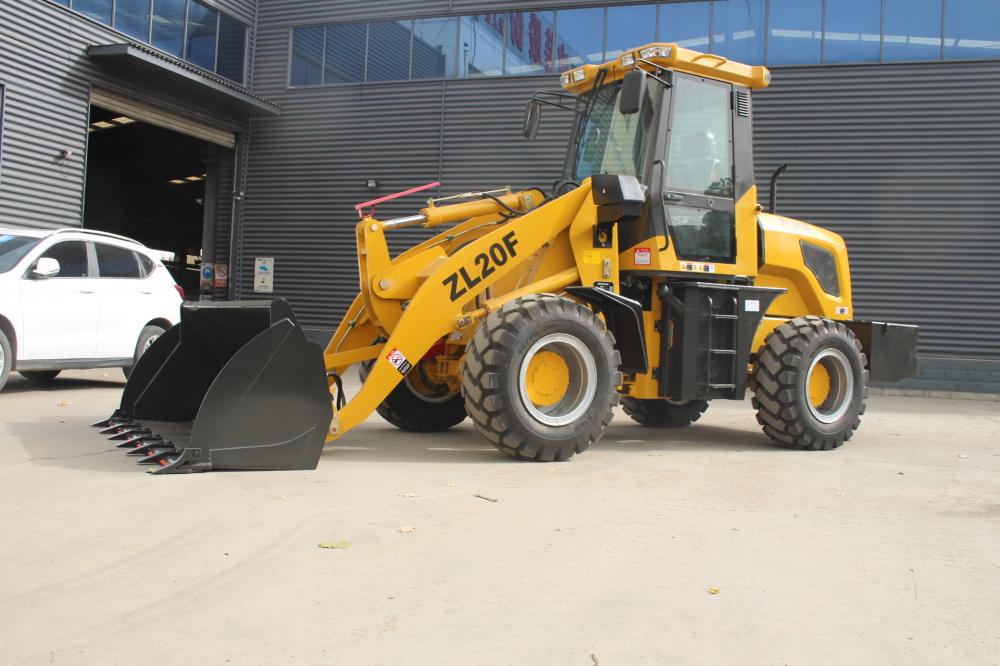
[829, 389]
[557, 380]
[547, 379]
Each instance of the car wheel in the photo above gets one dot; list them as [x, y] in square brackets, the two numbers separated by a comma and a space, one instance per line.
[40, 376]
[147, 337]
[6, 359]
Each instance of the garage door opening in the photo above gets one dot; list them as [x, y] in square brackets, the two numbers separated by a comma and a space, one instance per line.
[158, 186]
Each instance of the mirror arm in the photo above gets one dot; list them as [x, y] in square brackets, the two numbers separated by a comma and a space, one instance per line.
[655, 74]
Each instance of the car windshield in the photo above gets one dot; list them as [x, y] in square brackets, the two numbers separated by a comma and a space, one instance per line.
[611, 142]
[13, 249]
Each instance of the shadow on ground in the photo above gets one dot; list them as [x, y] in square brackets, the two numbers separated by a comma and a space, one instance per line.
[74, 444]
[18, 384]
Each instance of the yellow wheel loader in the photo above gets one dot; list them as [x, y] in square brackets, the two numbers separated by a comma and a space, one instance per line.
[649, 275]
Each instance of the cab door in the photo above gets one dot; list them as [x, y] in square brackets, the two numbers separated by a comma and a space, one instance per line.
[60, 313]
[698, 196]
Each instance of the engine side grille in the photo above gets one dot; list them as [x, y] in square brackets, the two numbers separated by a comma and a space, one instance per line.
[823, 266]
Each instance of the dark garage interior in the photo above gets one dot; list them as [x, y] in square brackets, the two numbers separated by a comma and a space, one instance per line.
[149, 183]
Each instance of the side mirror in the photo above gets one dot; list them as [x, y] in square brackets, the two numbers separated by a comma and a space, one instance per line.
[45, 267]
[532, 116]
[633, 89]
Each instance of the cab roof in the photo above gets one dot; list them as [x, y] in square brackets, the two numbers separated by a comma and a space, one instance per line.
[668, 56]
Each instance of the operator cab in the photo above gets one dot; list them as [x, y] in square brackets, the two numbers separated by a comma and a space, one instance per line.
[680, 122]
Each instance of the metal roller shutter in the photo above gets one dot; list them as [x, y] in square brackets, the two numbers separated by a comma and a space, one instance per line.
[902, 161]
[155, 116]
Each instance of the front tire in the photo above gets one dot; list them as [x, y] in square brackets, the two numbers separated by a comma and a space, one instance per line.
[664, 413]
[810, 384]
[40, 376]
[147, 337]
[540, 378]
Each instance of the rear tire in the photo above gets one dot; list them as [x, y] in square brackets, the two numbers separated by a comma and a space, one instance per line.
[147, 337]
[540, 378]
[40, 376]
[664, 413]
[409, 410]
[810, 384]
[6, 359]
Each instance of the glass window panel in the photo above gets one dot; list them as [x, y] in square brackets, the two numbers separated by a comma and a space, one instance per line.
[99, 10]
[435, 47]
[972, 29]
[579, 37]
[116, 262]
[628, 27]
[132, 18]
[738, 30]
[794, 31]
[480, 45]
[168, 26]
[529, 44]
[912, 30]
[698, 155]
[853, 31]
[389, 50]
[307, 56]
[611, 142]
[72, 258]
[345, 52]
[685, 23]
[201, 29]
[232, 48]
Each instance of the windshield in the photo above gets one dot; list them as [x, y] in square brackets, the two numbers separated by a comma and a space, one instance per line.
[13, 249]
[611, 142]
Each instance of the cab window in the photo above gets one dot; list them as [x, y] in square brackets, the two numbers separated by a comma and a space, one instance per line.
[116, 262]
[698, 157]
[72, 258]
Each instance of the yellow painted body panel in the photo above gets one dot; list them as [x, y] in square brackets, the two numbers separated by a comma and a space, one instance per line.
[784, 267]
[439, 306]
[441, 289]
[669, 56]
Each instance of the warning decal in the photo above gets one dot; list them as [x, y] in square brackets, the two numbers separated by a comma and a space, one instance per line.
[643, 256]
[398, 361]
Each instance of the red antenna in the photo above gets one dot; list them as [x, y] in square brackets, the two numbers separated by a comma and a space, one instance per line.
[405, 193]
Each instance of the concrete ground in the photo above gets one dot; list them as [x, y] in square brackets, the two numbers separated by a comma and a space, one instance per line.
[885, 552]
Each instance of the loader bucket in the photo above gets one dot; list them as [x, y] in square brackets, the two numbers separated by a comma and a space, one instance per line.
[235, 386]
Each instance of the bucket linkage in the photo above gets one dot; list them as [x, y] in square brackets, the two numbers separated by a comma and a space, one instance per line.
[235, 386]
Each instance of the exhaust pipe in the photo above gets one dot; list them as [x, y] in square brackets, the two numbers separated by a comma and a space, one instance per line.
[234, 386]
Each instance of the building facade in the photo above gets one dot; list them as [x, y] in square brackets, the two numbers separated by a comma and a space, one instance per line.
[884, 111]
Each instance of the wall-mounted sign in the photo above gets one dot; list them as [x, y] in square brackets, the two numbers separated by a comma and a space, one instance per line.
[207, 275]
[221, 280]
[263, 275]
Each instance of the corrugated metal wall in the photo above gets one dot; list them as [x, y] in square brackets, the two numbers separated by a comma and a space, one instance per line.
[899, 159]
[903, 162]
[47, 74]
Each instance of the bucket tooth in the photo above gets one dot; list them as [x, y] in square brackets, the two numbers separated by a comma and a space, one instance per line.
[139, 441]
[116, 428]
[130, 434]
[118, 415]
[146, 449]
[157, 455]
[187, 461]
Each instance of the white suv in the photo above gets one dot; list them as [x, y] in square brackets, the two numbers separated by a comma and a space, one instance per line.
[79, 299]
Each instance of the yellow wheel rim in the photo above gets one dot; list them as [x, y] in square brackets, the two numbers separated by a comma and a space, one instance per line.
[819, 385]
[547, 378]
